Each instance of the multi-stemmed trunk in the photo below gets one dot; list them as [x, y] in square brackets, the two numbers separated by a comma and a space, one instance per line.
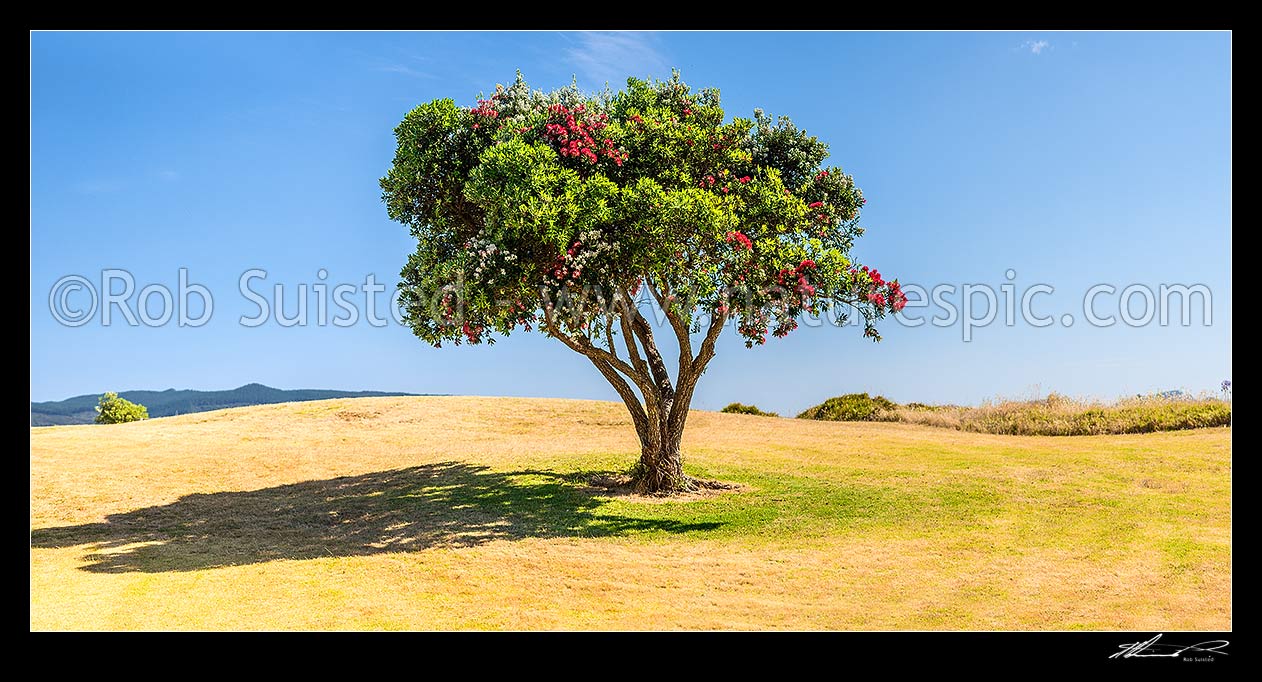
[661, 465]
[660, 408]
[661, 468]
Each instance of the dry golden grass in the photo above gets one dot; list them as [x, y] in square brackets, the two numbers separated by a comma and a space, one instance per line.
[1055, 415]
[424, 513]
[1059, 415]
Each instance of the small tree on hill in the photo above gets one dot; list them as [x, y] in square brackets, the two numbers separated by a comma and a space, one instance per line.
[568, 213]
[111, 409]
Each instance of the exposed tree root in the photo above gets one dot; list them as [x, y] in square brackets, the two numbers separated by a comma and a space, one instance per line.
[628, 484]
[681, 486]
[713, 485]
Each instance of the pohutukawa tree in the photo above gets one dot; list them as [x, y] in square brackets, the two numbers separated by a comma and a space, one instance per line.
[575, 215]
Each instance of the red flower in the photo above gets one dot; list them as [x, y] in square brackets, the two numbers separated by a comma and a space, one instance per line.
[745, 179]
[741, 240]
[815, 204]
[687, 112]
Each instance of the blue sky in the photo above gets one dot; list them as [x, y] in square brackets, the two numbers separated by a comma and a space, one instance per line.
[1071, 158]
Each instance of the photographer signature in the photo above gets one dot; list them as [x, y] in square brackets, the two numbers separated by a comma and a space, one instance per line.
[1153, 648]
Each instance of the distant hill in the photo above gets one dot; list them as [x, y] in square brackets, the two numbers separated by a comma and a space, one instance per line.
[81, 409]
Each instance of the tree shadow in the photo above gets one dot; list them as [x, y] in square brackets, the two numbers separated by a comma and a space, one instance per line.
[450, 504]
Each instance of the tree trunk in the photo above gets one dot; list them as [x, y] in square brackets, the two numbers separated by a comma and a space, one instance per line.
[661, 467]
[660, 415]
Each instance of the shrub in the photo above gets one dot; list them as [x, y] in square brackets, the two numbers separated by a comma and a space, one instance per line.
[112, 409]
[853, 407]
[738, 408]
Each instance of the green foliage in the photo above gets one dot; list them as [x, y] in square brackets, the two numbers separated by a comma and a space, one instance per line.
[852, 407]
[739, 408]
[542, 209]
[115, 410]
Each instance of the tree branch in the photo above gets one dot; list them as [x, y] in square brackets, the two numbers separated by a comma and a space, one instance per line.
[609, 335]
[583, 346]
[661, 377]
[628, 336]
[706, 353]
[657, 367]
[683, 331]
[687, 383]
[638, 416]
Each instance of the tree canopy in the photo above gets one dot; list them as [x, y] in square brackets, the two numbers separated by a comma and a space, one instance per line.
[567, 212]
[112, 409]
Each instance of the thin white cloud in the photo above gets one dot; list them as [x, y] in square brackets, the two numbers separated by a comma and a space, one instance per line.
[1036, 46]
[395, 60]
[609, 57]
[405, 70]
[168, 175]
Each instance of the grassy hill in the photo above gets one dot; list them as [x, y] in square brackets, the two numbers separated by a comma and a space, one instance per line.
[81, 409]
[454, 512]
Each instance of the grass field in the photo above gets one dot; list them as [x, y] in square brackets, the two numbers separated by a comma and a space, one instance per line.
[424, 513]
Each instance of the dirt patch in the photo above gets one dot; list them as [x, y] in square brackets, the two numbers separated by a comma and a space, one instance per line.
[603, 422]
[356, 415]
[1155, 484]
[622, 487]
